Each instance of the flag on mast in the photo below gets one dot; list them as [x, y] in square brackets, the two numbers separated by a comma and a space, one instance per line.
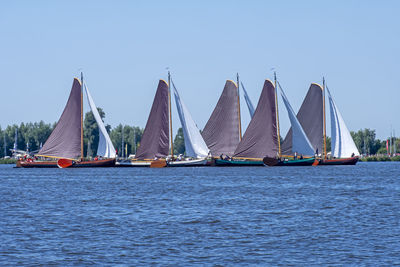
[387, 147]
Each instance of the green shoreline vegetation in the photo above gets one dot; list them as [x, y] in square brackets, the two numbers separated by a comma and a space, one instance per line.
[8, 161]
[379, 158]
[37, 133]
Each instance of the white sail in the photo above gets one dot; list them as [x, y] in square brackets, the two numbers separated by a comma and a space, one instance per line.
[195, 145]
[343, 145]
[300, 142]
[105, 148]
[248, 102]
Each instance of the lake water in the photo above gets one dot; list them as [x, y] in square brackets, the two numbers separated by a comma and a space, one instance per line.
[327, 215]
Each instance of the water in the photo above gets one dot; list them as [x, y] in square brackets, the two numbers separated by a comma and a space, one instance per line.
[206, 216]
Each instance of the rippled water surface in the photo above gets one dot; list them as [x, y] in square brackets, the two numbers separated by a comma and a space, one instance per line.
[207, 216]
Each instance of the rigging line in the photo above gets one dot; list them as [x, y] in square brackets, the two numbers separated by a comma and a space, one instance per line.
[172, 82]
[238, 102]
[170, 115]
[324, 115]
[277, 116]
[280, 87]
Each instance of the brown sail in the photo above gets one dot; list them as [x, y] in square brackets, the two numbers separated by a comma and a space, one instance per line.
[261, 138]
[310, 116]
[221, 132]
[155, 139]
[65, 140]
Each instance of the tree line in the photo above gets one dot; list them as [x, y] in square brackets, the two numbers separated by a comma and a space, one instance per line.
[126, 138]
[368, 144]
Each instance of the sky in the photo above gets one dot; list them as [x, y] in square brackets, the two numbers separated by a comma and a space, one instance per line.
[125, 47]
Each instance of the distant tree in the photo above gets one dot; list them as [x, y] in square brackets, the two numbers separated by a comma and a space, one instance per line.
[10, 138]
[132, 137]
[40, 132]
[366, 141]
[31, 134]
[116, 137]
[328, 144]
[179, 142]
[382, 150]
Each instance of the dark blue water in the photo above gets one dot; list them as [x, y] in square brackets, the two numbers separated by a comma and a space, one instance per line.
[207, 216]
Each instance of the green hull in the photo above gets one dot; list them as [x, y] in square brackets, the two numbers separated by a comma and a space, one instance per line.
[295, 162]
[235, 162]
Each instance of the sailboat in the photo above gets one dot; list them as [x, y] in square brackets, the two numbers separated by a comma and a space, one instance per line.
[222, 132]
[154, 145]
[64, 147]
[310, 116]
[300, 143]
[17, 153]
[260, 138]
[196, 149]
[344, 150]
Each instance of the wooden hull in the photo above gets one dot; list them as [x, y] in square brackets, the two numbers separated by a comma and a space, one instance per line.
[133, 163]
[189, 163]
[343, 161]
[160, 163]
[238, 162]
[295, 162]
[77, 164]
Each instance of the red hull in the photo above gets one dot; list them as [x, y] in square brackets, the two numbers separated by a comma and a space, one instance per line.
[344, 161]
[53, 164]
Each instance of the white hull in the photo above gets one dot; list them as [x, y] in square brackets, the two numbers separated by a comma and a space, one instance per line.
[132, 163]
[188, 163]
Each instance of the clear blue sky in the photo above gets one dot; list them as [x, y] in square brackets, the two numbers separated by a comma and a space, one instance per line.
[124, 47]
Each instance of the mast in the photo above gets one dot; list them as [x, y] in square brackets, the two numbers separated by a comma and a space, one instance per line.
[5, 144]
[238, 101]
[134, 140]
[170, 115]
[122, 141]
[82, 116]
[277, 115]
[394, 142]
[391, 142]
[324, 116]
